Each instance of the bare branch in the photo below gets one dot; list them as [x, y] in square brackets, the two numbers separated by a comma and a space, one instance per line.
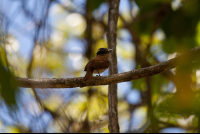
[186, 58]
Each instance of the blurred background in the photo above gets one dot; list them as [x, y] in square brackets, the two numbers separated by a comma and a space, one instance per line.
[56, 38]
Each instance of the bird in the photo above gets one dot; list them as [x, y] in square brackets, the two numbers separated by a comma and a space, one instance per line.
[99, 64]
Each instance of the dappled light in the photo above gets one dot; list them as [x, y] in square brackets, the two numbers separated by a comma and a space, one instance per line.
[47, 44]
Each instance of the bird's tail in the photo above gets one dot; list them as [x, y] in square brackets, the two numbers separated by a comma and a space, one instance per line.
[88, 76]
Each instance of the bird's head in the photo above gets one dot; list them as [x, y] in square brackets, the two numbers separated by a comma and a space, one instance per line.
[102, 51]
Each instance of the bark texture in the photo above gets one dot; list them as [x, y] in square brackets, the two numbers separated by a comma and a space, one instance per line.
[112, 43]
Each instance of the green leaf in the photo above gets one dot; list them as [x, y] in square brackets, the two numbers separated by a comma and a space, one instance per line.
[139, 84]
[170, 104]
[139, 67]
[8, 86]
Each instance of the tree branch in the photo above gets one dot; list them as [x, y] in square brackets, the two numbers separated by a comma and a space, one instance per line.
[187, 58]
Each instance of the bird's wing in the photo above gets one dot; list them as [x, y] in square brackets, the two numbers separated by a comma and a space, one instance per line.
[97, 63]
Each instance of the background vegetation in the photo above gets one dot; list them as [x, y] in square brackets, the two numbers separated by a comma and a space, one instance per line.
[56, 38]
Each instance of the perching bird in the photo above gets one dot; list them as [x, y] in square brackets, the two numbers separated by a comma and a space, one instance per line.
[99, 64]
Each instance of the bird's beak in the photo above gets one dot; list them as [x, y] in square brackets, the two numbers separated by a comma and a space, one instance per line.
[109, 50]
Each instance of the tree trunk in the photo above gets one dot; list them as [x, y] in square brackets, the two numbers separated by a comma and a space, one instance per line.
[112, 42]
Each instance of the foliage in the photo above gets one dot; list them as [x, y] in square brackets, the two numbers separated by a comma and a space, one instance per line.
[56, 38]
[8, 85]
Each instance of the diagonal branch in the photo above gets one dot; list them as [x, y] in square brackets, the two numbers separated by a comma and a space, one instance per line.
[187, 58]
